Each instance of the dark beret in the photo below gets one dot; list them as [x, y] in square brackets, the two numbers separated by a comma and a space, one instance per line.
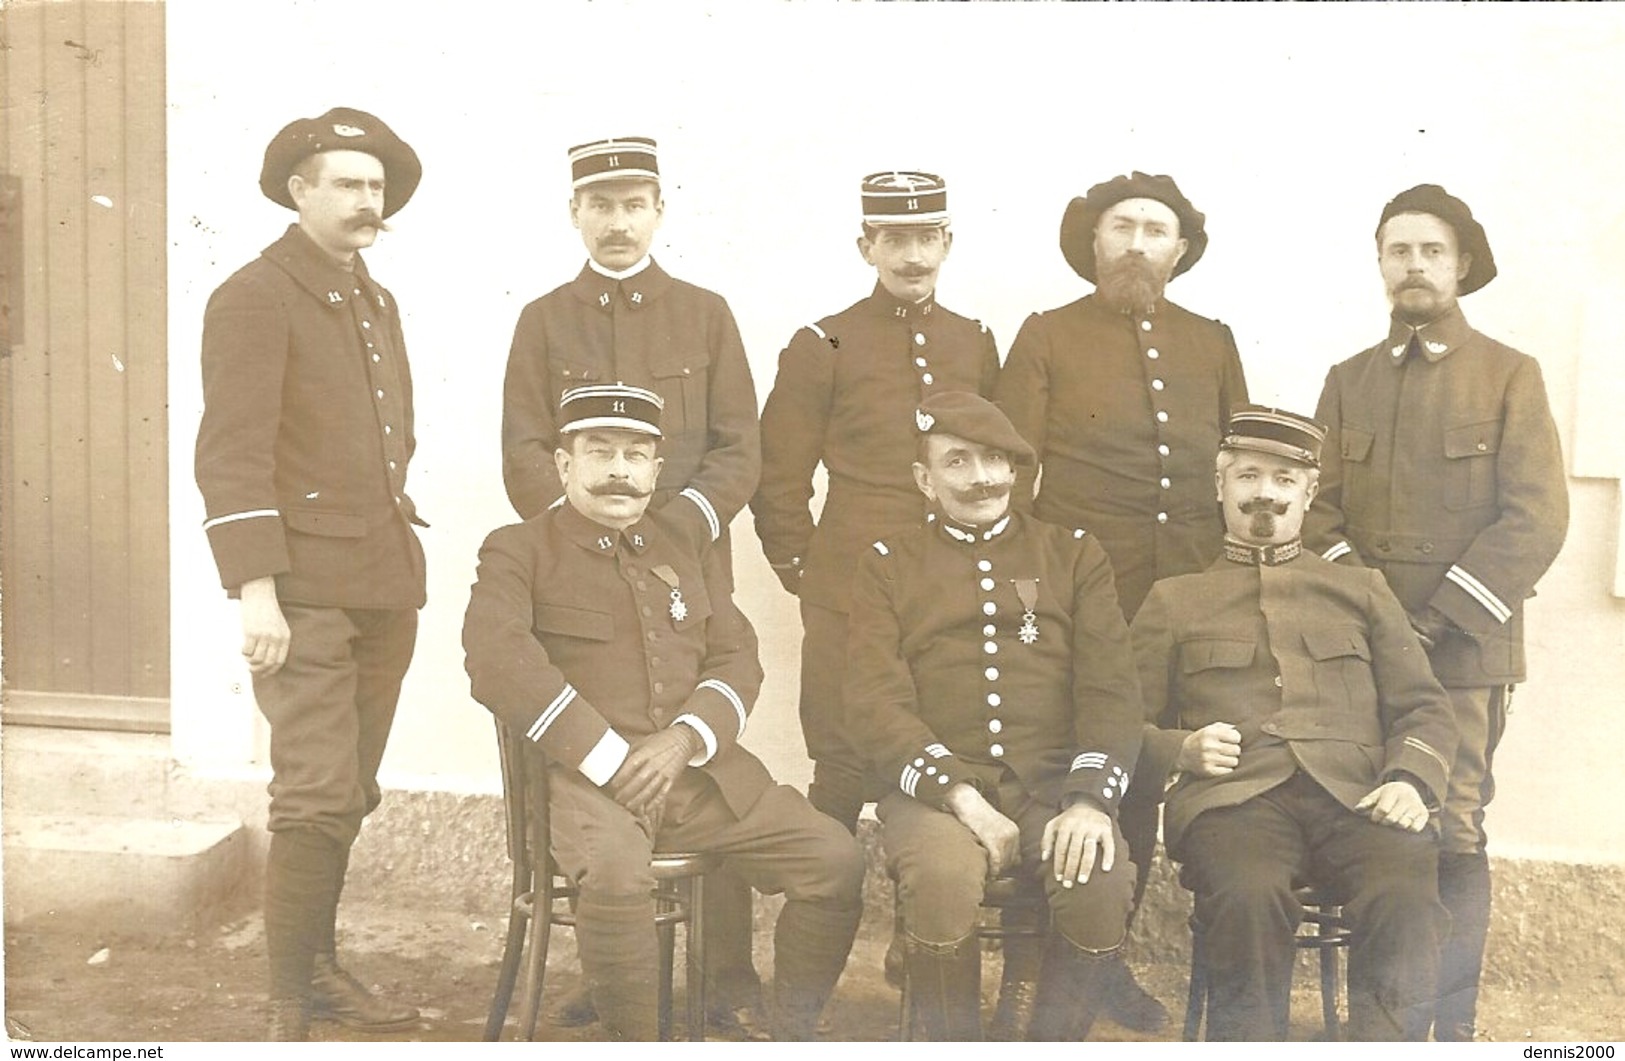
[1470, 238]
[1083, 214]
[974, 419]
[341, 129]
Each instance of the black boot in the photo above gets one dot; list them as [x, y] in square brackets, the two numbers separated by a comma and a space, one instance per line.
[1128, 1003]
[810, 947]
[1069, 991]
[1018, 984]
[946, 981]
[619, 960]
[299, 899]
[336, 995]
[1464, 889]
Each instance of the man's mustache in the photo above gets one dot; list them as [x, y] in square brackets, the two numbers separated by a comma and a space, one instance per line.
[617, 489]
[982, 493]
[369, 219]
[1262, 504]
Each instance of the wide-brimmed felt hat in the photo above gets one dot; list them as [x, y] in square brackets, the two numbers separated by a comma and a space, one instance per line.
[341, 129]
[1083, 214]
[1470, 237]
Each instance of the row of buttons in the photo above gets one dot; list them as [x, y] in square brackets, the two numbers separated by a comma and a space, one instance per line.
[1157, 384]
[991, 647]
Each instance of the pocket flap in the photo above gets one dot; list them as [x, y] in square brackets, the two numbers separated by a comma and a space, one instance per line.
[676, 366]
[1336, 642]
[1356, 443]
[573, 622]
[1210, 652]
[1473, 440]
[325, 524]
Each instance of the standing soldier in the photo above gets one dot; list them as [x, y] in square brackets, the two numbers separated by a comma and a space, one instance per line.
[1443, 471]
[301, 459]
[845, 395]
[1124, 395]
[625, 319]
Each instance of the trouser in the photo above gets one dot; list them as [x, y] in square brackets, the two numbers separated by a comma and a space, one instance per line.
[1243, 861]
[330, 708]
[941, 871]
[841, 782]
[1464, 868]
[781, 845]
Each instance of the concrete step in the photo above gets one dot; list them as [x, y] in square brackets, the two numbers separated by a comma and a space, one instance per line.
[119, 876]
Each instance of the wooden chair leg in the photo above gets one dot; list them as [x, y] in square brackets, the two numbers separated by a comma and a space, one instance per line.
[513, 949]
[1196, 1001]
[695, 958]
[541, 933]
[1330, 975]
[667, 935]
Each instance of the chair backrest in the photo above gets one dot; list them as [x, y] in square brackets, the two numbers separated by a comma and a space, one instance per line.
[524, 796]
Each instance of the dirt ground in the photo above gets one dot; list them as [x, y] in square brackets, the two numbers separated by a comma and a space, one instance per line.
[60, 986]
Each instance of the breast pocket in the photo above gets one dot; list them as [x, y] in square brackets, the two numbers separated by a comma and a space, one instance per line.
[562, 620]
[681, 381]
[567, 373]
[1214, 674]
[1470, 453]
[1342, 669]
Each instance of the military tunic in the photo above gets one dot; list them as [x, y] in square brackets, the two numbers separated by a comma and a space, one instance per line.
[1443, 470]
[998, 658]
[1318, 668]
[1125, 413]
[301, 458]
[651, 331]
[846, 394]
[571, 640]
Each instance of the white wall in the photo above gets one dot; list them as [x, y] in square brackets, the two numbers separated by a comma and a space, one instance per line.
[1289, 125]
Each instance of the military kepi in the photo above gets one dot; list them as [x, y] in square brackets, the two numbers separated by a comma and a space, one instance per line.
[341, 129]
[905, 197]
[1267, 430]
[611, 405]
[974, 419]
[621, 158]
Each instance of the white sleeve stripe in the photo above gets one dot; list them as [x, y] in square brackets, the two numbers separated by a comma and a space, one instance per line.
[1427, 749]
[1338, 550]
[551, 713]
[1479, 592]
[605, 758]
[816, 330]
[696, 723]
[706, 510]
[725, 690]
[258, 513]
[909, 779]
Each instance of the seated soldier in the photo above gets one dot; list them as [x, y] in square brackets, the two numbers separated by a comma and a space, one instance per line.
[615, 646]
[991, 681]
[1310, 742]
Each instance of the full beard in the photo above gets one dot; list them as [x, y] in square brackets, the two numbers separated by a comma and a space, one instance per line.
[1130, 284]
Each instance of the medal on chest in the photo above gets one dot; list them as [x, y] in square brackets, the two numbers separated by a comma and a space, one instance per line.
[1027, 590]
[678, 609]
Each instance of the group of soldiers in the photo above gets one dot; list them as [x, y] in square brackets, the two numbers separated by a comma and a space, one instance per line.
[1043, 603]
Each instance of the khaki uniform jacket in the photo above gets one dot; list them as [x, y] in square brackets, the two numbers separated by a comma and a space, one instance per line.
[1313, 662]
[942, 686]
[1443, 471]
[307, 431]
[846, 393]
[652, 331]
[1125, 413]
[574, 639]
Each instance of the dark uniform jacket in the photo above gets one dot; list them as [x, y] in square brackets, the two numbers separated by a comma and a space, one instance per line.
[571, 639]
[1125, 413]
[1442, 469]
[652, 331]
[306, 433]
[846, 393]
[1313, 662]
[944, 687]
